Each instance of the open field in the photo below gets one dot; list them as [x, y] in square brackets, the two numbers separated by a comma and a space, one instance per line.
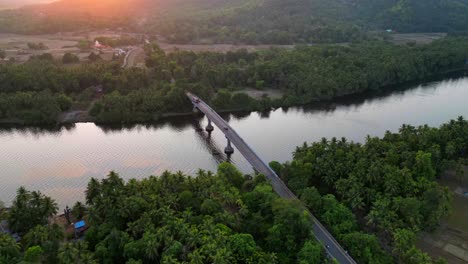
[259, 94]
[16, 46]
[135, 58]
[418, 38]
[217, 47]
[450, 240]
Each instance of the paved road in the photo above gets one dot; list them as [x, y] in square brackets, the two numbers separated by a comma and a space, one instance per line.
[130, 58]
[331, 245]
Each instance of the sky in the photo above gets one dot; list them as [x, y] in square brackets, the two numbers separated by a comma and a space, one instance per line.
[17, 3]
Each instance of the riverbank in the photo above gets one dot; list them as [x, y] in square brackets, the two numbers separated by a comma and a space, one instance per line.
[84, 116]
[305, 75]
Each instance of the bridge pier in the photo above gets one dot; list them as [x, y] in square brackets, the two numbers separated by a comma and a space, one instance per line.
[229, 150]
[209, 128]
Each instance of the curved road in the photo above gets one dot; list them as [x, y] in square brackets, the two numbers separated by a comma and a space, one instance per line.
[130, 58]
[331, 245]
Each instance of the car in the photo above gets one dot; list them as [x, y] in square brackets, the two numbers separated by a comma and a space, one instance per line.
[225, 128]
[197, 101]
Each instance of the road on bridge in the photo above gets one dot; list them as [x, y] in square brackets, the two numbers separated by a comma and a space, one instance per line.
[331, 245]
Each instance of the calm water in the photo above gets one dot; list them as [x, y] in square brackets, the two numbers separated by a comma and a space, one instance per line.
[59, 162]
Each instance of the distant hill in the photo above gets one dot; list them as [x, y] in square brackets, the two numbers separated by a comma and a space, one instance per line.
[245, 21]
[292, 21]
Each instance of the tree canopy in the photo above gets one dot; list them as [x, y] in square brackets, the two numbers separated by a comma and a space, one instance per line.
[380, 192]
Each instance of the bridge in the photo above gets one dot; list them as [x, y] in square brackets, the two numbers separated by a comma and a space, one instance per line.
[332, 247]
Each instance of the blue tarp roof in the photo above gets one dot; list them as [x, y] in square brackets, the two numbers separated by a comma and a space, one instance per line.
[80, 224]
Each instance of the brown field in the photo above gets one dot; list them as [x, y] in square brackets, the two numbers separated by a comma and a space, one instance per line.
[217, 47]
[418, 38]
[259, 94]
[58, 44]
[450, 240]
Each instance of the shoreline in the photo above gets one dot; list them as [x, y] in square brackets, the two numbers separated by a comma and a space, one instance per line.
[457, 73]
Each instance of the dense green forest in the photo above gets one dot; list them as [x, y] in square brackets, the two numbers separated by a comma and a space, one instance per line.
[385, 187]
[314, 21]
[304, 75]
[211, 218]
[244, 21]
[374, 197]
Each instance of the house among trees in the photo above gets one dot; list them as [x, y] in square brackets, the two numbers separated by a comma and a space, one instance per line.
[99, 46]
[80, 227]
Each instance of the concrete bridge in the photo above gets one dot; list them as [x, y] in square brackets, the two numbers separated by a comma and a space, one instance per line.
[331, 245]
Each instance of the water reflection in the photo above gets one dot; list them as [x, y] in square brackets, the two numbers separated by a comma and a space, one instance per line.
[36, 130]
[60, 160]
[210, 145]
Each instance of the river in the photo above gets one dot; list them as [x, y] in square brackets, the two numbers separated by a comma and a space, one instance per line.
[60, 161]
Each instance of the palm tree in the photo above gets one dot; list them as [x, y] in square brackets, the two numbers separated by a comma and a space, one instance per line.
[93, 190]
[49, 206]
[152, 246]
[68, 254]
[30, 209]
[8, 247]
[196, 258]
[78, 210]
[36, 236]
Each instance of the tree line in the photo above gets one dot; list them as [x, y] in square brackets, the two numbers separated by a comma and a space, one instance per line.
[304, 75]
[246, 21]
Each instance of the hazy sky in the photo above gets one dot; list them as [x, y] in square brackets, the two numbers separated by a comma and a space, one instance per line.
[25, 1]
[17, 3]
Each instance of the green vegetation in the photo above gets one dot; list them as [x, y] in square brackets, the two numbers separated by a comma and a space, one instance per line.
[380, 192]
[245, 21]
[30, 209]
[305, 21]
[43, 20]
[37, 46]
[33, 107]
[37, 91]
[374, 197]
[117, 42]
[312, 73]
[305, 74]
[93, 57]
[212, 218]
[69, 58]
[42, 57]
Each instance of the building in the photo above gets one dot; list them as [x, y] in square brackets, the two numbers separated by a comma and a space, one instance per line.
[99, 46]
